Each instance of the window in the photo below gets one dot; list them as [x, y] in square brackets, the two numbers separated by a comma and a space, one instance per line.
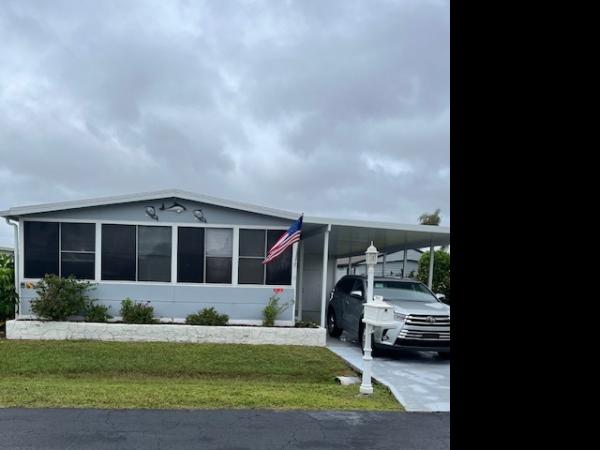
[252, 252]
[41, 249]
[279, 271]
[154, 253]
[190, 255]
[254, 245]
[60, 248]
[77, 250]
[219, 251]
[345, 285]
[118, 252]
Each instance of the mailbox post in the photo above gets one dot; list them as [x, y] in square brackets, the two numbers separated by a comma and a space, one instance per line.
[376, 313]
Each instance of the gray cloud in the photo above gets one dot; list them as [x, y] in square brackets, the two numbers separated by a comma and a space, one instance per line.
[336, 108]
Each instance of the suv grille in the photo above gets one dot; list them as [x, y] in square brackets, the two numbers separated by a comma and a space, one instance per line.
[425, 328]
[428, 320]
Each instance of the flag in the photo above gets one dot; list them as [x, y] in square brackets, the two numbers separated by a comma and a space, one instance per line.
[288, 238]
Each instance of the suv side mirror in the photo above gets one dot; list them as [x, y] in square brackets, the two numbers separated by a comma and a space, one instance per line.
[440, 296]
[357, 294]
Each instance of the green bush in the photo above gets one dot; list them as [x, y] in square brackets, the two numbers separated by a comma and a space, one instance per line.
[8, 295]
[133, 312]
[59, 298]
[273, 309]
[97, 313]
[207, 316]
[302, 324]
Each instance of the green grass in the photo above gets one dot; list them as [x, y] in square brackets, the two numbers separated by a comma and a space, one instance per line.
[163, 375]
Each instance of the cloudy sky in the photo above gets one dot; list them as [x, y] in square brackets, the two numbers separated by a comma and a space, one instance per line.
[334, 108]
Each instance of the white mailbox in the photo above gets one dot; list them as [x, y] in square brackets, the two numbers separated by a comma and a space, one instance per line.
[378, 313]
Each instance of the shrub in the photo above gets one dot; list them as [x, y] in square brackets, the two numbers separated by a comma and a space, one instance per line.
[97, 313]
[133, 312]
[8, 295]
[59, 298]
[302, 324]
[208, 316]
[273, 309]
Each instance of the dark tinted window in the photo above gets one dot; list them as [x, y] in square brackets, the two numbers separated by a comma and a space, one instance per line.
[154, 253]
[279, 271]
[219, 249]
[252, 252]
[77, 256]
[78, 237]
[218, 270]
[41, 249]
[359, 286]
[80, 265]
[252, 243]
[251, 271]
[190, 255]
[345, 285]
[118, 252]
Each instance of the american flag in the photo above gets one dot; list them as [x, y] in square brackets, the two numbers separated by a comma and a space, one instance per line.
[288, 238]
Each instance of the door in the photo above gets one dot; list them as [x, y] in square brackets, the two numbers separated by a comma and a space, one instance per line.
[353, 308]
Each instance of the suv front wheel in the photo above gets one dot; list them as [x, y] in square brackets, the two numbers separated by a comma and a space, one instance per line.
[332, 327]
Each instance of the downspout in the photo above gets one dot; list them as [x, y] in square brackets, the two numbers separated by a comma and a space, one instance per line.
[16, 264]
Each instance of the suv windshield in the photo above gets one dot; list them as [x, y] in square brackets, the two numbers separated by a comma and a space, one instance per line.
[403, 290]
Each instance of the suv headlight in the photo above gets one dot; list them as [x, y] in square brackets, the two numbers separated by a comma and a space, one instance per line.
[399, 317]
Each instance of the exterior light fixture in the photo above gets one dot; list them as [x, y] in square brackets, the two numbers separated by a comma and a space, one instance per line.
[151, 212]
[371, 255]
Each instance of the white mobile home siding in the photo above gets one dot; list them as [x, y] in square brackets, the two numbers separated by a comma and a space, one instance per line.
[172, 300]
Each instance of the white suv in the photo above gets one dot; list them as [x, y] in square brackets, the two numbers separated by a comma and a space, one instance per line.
[422, 321]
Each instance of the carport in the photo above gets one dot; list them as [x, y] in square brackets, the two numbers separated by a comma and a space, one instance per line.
[325, 240]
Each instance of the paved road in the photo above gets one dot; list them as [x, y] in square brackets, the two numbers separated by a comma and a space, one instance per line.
[419, 380]
[220, 429]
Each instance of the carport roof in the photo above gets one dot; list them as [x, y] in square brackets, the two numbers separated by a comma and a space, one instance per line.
[352, 237]
[347, 237]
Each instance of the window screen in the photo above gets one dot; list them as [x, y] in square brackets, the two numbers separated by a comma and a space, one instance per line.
[219, 250]
[77, 255]
[279, 271]
[41, 249]
[118, 252]
[190, 255]
[154, 253]
[254, 246]
[252, 252]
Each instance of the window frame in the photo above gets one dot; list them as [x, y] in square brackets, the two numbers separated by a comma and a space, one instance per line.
[81, 252]
[98, 250]
[60, 250]
[266, 250]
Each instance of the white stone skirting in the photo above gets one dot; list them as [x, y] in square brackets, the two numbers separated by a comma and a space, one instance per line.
[33, 329]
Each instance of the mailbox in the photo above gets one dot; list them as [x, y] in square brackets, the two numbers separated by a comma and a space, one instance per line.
[378, 313]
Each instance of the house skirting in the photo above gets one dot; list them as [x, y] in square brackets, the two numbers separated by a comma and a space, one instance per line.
[33, 329]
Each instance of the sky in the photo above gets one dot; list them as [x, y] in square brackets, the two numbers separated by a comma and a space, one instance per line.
[331, 108]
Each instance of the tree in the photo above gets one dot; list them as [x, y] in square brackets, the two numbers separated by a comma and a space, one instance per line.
[430, 219]
[441, 271]
[8, 295]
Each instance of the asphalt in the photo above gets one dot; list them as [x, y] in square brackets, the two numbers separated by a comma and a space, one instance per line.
[221, 429]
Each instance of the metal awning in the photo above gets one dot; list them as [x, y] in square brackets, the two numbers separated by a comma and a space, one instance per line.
[352, 237]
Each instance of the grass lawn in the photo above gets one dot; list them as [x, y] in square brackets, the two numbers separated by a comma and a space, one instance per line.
[163, 375]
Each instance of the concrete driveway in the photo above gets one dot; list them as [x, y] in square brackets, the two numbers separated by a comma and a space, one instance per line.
[419, 380]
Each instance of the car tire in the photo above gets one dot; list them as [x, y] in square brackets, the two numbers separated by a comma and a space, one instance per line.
[444, 355]
[332, 328]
